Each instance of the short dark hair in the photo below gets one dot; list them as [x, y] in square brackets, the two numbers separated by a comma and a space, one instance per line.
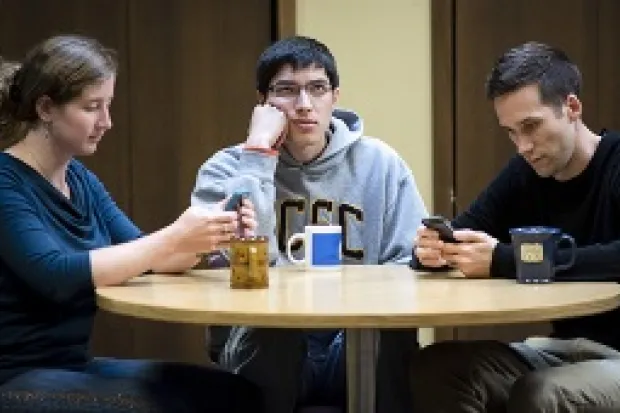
[60, 68]
[539, 64]
[298, 51]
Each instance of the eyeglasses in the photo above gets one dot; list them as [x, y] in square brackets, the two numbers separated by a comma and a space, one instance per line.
[292, 90]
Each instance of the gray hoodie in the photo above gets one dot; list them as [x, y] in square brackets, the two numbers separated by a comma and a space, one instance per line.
[358, 182]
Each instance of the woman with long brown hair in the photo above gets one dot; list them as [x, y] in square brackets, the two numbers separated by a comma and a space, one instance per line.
[61, 236]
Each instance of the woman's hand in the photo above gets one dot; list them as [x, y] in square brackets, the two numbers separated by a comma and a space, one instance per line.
[247, 219]
[202, 230]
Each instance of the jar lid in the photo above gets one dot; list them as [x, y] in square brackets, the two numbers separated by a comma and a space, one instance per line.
[251, 238]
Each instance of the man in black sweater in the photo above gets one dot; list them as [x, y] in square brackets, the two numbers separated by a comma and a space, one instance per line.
[564, 176]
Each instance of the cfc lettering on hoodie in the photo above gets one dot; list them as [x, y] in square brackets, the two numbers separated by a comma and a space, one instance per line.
[346, 212]
[292, 214]
[358, 182]
[322, 212]
[297, 206]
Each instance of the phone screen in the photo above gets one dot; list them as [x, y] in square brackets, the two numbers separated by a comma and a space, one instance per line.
[235, 200]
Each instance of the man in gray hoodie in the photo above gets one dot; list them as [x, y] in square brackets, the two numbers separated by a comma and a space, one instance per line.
[305, 162]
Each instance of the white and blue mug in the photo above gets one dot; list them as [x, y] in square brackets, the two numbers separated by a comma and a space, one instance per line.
[322, 247]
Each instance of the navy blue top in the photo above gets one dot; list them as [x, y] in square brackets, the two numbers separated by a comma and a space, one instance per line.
[47, 301]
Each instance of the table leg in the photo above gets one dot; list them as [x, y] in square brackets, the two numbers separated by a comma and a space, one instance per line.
[362, 350]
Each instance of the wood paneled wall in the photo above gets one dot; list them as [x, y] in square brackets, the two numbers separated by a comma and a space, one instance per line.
[185, 89]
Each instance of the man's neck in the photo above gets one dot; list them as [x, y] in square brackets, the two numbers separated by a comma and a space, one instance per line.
[306, 152]
[586, 143]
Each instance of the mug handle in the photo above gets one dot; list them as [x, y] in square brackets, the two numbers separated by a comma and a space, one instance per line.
[573, 246]
[289, 246]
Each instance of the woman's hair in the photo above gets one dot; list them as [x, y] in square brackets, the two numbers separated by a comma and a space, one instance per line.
[7, 71]
[59, 68]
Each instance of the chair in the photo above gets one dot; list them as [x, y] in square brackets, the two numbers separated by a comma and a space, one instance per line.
[26, 401]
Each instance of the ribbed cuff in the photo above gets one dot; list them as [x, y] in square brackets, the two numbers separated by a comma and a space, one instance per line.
[258, 164]
[503, 262]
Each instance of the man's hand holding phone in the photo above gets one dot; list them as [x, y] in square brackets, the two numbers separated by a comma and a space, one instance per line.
[267, 127]
[429, 244]
[438, 245]
[473, 254]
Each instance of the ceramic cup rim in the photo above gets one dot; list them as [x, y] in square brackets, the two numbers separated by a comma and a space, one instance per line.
[325, 229]
[535, 230]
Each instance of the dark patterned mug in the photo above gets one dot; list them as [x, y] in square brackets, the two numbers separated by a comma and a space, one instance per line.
[535, 250]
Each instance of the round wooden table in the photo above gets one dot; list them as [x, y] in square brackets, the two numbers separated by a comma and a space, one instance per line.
[359, 299]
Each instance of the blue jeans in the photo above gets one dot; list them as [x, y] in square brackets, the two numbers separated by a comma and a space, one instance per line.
[285, 365]
[111, 385]
[324, 373]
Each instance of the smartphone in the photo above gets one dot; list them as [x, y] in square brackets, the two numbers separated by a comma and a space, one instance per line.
[441, 225]
[235, 200]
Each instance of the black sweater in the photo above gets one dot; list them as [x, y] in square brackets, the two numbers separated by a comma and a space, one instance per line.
[586, 207]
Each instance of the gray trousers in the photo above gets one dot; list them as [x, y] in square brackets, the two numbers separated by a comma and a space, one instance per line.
[278, 361]
[567, 376]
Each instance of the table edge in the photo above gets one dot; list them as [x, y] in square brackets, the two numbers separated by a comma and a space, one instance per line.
[188, 316]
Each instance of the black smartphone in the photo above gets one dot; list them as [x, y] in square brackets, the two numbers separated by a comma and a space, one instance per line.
[441, 225]
[235, 200]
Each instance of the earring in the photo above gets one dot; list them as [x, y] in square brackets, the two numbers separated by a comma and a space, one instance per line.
[47, 126]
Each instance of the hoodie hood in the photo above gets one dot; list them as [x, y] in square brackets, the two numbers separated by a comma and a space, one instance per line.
[358, 182]
[345, 129]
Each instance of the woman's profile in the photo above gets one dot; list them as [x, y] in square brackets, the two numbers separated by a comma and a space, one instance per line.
[61, 236]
